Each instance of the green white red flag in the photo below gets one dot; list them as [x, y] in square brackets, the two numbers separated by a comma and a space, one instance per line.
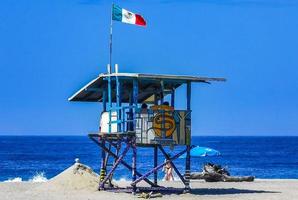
[125, 16]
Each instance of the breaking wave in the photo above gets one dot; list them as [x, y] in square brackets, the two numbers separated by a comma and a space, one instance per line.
[39, 177]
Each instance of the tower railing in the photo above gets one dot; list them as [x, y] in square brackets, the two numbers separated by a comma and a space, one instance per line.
[151, 126]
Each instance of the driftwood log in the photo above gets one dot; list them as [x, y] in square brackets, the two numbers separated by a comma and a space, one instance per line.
[215, 173]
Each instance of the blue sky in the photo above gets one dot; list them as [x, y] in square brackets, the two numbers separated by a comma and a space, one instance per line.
[51, 48]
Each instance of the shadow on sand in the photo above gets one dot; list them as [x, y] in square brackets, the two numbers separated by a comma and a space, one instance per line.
[222, 191]
[194, 191]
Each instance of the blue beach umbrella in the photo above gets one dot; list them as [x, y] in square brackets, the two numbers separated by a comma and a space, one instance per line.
[201, 152]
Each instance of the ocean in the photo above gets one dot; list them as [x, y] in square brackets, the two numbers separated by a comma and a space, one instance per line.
[38, 158]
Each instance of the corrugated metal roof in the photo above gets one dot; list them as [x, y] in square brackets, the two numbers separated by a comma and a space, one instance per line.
[149, 84]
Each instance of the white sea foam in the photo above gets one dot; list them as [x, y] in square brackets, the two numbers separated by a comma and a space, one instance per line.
[38, 177]
[14, 180]
[122, 179]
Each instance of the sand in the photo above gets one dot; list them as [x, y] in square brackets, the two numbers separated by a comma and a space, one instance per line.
[79, 182]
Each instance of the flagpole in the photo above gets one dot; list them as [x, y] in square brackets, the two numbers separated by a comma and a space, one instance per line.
[111, 37]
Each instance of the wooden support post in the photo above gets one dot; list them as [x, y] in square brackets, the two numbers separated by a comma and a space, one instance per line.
[118, 103]
[188, 93]
[155, 163]
[173, 98]
[110, 101]
[162, 87]
[163, 132]
[187, 161]
[102, 173]
[130, 123]
[104, 101]
[155, 99]
[187, 169]
[135, 100]
[134, 164]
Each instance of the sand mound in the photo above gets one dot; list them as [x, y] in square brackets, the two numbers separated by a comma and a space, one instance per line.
[76, 177]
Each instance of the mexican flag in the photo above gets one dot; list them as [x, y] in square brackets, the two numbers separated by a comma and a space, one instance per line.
[125, 16]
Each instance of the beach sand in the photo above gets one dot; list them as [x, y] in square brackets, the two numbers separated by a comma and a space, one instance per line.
[80, 183]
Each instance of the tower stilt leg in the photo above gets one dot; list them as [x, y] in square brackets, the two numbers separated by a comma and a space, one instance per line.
[187, 169]
[134, 165]
[102, 172]
[155, 163]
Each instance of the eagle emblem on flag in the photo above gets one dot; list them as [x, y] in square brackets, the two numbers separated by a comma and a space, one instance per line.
[128, 15]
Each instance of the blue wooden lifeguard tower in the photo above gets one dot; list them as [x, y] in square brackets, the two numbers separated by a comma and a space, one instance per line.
[135, 115]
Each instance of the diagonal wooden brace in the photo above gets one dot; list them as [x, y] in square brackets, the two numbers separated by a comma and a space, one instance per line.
[172, 164]
[115, 165]
[157, 168]
[123, 162]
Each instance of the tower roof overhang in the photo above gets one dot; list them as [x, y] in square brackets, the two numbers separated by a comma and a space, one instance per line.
[149, 84]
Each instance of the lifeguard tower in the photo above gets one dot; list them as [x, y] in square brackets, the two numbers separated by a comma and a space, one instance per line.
[135, 115]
